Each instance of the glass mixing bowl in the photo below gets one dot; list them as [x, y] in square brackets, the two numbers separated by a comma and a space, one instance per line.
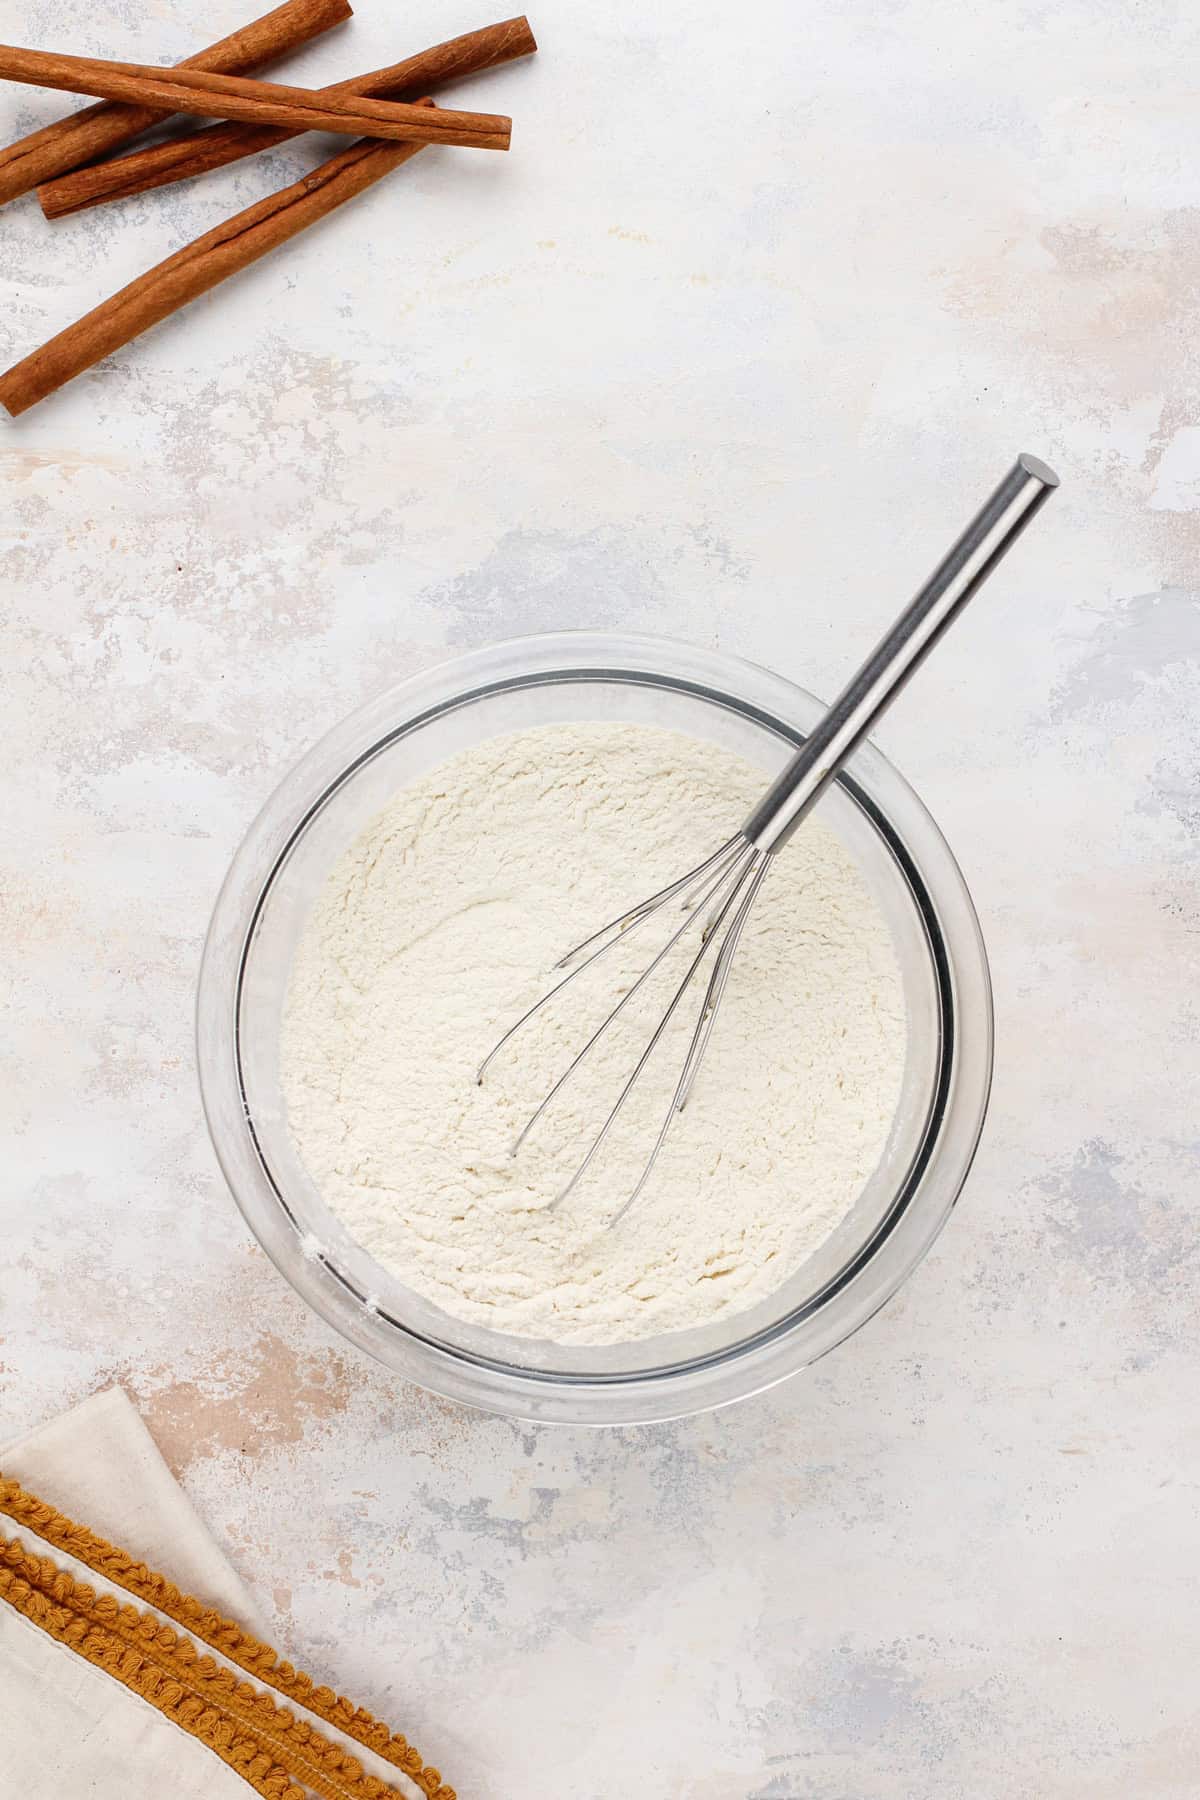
[323, 805]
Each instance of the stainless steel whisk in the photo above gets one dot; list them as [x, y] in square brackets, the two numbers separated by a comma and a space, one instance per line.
[723, 888]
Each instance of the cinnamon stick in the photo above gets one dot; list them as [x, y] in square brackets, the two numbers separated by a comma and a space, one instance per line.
[258, 102]
[98, 129]
[198, 267]
[213, 146]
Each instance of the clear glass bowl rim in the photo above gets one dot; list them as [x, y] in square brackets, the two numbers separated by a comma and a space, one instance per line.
[958, 960]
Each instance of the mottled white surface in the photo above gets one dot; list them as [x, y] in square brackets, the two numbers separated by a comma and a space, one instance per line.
[760, 303]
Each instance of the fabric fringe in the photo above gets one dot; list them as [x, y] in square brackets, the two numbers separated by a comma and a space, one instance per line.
[189, 1687]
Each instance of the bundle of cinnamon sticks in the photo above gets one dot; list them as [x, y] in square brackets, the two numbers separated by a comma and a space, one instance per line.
[389, 111]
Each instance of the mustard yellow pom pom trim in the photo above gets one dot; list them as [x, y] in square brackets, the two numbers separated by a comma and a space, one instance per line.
[266, 1744]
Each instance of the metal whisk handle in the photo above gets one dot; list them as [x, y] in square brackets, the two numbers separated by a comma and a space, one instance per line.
[965, 567]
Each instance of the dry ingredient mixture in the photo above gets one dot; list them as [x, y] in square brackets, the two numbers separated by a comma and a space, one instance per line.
[441, 925]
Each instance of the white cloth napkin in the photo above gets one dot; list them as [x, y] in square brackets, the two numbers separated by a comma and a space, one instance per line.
[69, 1729]
[99, 1464]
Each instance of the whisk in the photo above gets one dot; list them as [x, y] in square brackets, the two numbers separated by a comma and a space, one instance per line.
[722, 889]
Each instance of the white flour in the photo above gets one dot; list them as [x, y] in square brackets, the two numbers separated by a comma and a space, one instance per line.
[439, 927]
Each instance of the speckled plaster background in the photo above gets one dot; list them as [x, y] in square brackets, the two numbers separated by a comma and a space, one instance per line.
[759, 306]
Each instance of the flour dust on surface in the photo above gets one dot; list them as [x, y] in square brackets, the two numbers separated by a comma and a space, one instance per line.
[441, 925]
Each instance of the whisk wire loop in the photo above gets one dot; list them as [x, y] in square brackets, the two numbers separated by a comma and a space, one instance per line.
[744, 868]
[753, 877]
[709, 895]
[619, 927]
